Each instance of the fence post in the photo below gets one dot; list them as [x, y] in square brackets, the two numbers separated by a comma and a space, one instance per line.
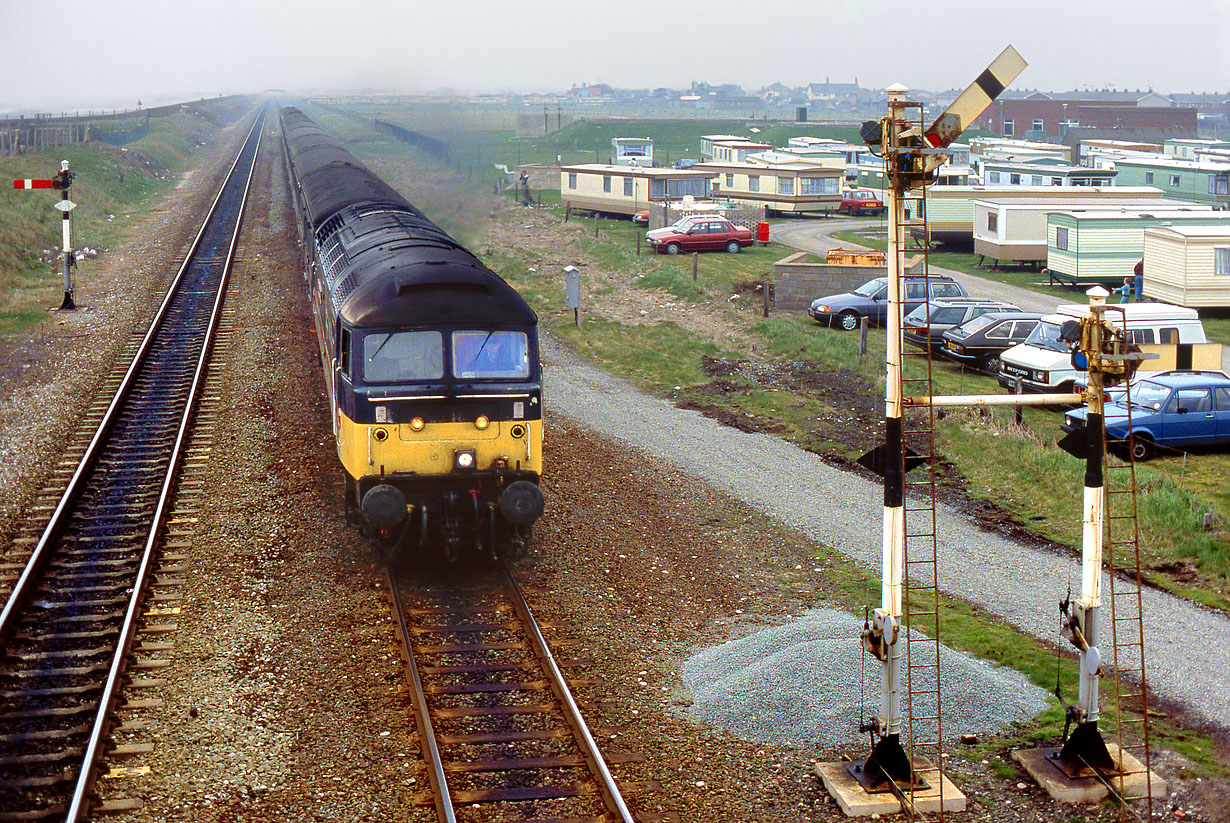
[596, 218]
[695, 258]
[862, 337]
[638, 244]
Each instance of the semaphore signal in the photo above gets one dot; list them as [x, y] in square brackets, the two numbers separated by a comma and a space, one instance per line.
[61, 182]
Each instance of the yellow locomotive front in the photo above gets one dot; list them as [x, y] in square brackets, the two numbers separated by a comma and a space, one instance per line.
[440, 435]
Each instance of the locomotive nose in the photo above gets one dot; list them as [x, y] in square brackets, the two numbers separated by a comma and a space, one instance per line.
[384, 506]
[522, 503]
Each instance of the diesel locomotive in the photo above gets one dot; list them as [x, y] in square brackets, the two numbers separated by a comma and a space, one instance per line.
[430, 358]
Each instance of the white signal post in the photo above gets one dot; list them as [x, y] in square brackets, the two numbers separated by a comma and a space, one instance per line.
[61, 181]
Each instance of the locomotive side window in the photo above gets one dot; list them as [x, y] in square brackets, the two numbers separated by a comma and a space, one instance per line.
[394, 357]
[479, 354]
[343, 351]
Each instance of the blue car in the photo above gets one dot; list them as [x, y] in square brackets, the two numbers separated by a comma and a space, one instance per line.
[1175, 410]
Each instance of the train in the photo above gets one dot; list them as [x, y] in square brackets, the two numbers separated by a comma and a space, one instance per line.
[430, 359]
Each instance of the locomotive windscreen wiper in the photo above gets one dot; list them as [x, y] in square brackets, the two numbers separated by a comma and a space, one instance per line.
[386, 339]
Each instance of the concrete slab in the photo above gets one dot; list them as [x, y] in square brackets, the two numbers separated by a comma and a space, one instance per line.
[1132, 784]
[855, 801]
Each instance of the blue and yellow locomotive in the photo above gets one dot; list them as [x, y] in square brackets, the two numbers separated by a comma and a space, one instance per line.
[431, 363]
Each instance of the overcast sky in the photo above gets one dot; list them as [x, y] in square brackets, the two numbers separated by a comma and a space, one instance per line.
[68, 54]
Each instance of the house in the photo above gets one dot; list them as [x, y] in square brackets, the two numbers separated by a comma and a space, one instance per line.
[707, 142]
[780, 182]
[1015, 229]
[628, 189]
[1054, 113]
[833, 94]
[1188, 265]
[631, 151]
[1104, 246]
[1200, 181]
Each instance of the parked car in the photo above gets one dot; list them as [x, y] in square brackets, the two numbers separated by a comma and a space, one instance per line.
[701, 234]
[1178, 410]
[925, 325]
[870, 300]
[1043, 363]
[858, 202]
[641, 218]
[981, 340]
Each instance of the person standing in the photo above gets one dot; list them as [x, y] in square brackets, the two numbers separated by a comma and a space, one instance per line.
[1138, 287]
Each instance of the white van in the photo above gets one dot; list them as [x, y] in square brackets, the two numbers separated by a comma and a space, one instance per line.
[1043, 363]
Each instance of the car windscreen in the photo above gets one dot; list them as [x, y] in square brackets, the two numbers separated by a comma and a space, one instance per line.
[1148, 394]
[870, 288]
[918, 316]
[490, 354]
[1046, 336]
[403, 356]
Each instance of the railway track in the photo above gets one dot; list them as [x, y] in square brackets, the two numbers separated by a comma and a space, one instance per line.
[68, 623]
[501, 734]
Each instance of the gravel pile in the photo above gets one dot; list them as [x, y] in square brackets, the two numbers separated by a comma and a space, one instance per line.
[800, 683]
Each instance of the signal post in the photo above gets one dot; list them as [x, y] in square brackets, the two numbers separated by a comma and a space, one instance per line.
[61, 181]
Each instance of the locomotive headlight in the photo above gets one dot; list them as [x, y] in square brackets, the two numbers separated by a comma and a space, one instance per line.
[481, 422]
[417, 424]
[464, 460]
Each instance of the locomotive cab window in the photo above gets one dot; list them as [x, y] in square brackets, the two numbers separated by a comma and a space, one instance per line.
[490, 354]
[395, 357]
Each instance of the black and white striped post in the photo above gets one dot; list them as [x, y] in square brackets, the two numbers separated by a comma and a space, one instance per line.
[1085, 746]
[63, 180]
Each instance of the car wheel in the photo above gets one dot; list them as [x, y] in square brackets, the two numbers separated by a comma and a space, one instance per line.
[990, 364]
[672, 248]
[848, 320]
[1142, 447]
[733, 247]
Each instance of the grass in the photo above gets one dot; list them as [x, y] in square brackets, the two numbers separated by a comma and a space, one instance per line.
[111, 186]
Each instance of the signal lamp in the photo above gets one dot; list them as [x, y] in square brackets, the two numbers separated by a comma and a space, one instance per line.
[481, 422]
[417, 424]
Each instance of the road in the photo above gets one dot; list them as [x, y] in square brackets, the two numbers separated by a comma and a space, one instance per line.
[814, 236]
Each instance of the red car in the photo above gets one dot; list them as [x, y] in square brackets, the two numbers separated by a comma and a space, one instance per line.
[857, 202]
[700, 234]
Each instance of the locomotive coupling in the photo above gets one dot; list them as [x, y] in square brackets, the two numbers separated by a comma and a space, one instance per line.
[521, 503]
[384, 506]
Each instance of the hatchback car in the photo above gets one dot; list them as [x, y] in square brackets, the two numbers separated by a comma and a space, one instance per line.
[1177, 410]
[926, 325]
[703, 234]
[978, 342]
[870, 300]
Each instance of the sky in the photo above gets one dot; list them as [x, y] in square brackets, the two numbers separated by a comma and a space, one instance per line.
[82, 54]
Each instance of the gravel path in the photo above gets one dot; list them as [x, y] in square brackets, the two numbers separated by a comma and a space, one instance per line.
[1021, 584]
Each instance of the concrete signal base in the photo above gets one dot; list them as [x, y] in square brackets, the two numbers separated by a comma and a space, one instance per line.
[1131, 784]
[856, 801]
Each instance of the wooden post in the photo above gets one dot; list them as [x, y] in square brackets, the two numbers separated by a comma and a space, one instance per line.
[567, 213]
[695, 259]
[766, 298]
[595, 226]
[862, 337]
[638, 244]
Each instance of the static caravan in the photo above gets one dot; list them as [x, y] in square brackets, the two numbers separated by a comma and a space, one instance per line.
[950, 209]
[1045, 171]
[779, 182]
[1105, 246]
[628, 189]
[1016, 229]
[1188, 265]
[1206, 181]
[632, 151]
[707, 141]
[736, 151]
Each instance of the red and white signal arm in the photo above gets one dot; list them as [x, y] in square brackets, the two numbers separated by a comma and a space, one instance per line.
[27, 183]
